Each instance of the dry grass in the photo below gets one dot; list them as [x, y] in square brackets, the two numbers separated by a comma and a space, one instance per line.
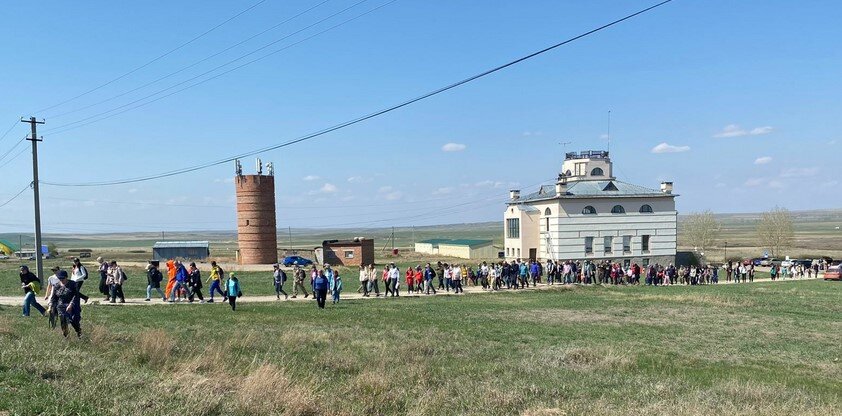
[154, 347]
[267, 390]
[6, 327]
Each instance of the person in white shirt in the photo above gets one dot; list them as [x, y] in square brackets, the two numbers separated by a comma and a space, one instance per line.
[394, 276]
[79, 274]
[363, 281]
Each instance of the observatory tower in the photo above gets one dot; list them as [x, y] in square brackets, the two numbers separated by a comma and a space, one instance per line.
[256, 229]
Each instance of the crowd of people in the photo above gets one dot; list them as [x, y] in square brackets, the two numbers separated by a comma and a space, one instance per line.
[184, 283]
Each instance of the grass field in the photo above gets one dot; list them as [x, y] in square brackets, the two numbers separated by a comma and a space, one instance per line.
[763, 348]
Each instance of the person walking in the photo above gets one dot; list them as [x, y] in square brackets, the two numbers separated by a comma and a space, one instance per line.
[116, 277]
[31, 285]
[172, 269]
[363, 280]
[335, 286]
[457, 279]
[234, 291]
[215, 280]
[418, 277]
[448, 277]
[373, 281]
[103, 277]
[394, 276]
[181, 279]
[440, 272]
[298, 274]
[410, 280]
[279, 277]
[194, 283]
[66, 298]
[78, 275]
[52, 312]
[320, 286]
[153, 281]
[429, 275]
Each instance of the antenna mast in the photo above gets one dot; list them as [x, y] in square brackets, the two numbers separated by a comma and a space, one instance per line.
[609, 132]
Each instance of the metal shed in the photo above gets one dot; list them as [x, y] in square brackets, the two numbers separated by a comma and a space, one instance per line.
[193, 250]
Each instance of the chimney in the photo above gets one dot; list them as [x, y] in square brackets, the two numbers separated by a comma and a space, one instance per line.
[561, 185]
[514, 194]
[666, 187]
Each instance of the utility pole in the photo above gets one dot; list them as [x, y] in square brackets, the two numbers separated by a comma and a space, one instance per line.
[289, 232]
[162, 236]
[39, 262]
[609, 133]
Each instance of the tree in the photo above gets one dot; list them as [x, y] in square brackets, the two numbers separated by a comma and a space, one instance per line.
[702, 230]
[52, 249]
[775, 230]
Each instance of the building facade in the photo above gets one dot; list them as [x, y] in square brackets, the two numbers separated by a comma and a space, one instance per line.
[183, 250]
[356, 252]
[464, 248]
[589, 214]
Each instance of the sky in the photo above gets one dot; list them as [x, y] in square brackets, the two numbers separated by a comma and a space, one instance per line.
[737, 103]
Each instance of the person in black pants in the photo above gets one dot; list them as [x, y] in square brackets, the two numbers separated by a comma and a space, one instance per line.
[194, 279]
[103, 277]
[320, 284]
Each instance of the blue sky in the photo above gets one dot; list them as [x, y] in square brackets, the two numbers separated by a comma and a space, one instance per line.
[736, 102]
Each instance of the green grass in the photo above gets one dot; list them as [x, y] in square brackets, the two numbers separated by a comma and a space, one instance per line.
[764, 348]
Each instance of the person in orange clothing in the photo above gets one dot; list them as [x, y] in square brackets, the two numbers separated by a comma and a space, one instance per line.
[171, 270]
[419, 279]
[410, 279]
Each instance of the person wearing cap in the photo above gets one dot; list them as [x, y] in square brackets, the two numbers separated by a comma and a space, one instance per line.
[31, 284]
[78, 275]
[298, 274]
[279, 277]
[194, 283]
[103, 278]
[66, 298]
[116, 277]
[233, 290]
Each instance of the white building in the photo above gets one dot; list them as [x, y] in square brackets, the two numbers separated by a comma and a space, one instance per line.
[589, 214]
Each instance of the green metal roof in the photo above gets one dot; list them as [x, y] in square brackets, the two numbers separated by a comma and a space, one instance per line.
[464, 242]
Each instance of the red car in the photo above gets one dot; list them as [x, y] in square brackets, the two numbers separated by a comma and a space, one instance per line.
[833, 273]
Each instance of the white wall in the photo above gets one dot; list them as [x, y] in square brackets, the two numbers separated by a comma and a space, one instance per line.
[529, 233]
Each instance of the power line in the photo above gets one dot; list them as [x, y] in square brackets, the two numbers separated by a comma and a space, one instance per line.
[10, 129]
[159, 57]
[13, 148]
[98, 116]
[22, 151]
[362, 118]
[16, 195]
[194, 63]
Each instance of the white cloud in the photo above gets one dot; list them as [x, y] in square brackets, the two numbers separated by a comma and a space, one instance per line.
[720, 185]
[799, 172]
[668, 148]
[358, 179]
[453, 147]
[753, 182]
[327, 188]
[443, 191]
[133, 190]
[394, 196]
[224, 180]
[775, 184]
[832, 142]
[763, 160]
[532, 133]
[484, 184]
[309, 178]
[829, 184]
[385, 189]
[734, 130]
[603, 136]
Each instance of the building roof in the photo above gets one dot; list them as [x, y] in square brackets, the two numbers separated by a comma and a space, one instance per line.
[435, 241]
[181, 244]
[352, 242]
[592, 189]
[466, 242]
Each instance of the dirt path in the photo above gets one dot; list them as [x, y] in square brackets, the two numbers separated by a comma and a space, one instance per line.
[97, 300]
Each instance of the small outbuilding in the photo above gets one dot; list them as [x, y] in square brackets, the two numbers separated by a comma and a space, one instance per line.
[430, 246]
[465, 249]
[354, 252]
[192, 250]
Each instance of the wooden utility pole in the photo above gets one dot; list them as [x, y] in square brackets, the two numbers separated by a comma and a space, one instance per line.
[39, 262]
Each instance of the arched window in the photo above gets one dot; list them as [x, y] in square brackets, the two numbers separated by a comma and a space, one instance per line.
[597, 172]
[646, 209]
[618, 209]
[589, 210]
[568, 173]
[547, 212]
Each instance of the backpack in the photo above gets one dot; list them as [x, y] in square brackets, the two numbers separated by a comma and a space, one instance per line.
[124, 275]
[283, 277]
[221, 274]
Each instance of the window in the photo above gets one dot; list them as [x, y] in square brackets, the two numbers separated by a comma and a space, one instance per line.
[589, 210]
[349, 254]
[644, 244]
[548, 212]
[513, 228]
[581, 169]
[518, 253]
[588, 245]
[597, 172]
[626, 244]
[608, 242]
[646, 209]
[618, 209]
[568, 173]
[645, 262]
[626, 264]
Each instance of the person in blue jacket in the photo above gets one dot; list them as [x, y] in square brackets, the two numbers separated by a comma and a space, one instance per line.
[320, 286]
[234, 291]
[181, 280]
[335, 286]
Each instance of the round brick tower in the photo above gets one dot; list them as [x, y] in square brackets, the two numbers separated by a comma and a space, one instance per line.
[256, 229]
